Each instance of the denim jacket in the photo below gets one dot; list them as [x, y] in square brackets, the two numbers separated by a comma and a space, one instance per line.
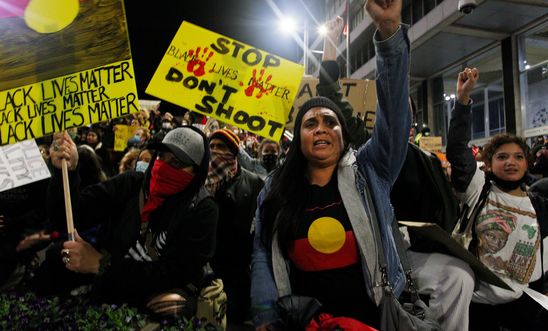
[374, 166]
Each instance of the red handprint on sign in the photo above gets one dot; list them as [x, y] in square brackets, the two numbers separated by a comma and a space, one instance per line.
[257, 83]
[198, 62]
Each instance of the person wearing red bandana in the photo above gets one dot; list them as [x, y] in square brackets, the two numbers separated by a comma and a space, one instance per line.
[235, 190]
[156, 229]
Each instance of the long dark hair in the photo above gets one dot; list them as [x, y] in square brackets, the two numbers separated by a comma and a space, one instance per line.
[288, 190]
[90, 169]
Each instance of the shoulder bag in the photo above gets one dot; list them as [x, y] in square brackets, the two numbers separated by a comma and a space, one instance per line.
[412, 315]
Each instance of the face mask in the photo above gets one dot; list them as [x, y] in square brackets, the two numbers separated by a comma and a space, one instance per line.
[135, 140]
[166, 126]
[165, 181]
[141, 166]
[269, 161]
[506, 184]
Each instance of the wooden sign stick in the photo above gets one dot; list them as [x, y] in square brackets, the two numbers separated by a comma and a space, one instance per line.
[68, 204]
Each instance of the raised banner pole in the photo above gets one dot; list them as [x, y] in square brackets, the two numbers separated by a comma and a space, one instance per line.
[68, 204]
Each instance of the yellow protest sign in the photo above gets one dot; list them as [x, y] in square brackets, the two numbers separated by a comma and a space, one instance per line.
[68, 75]
[121, 135]
[360, 93]
[60, 14]
[57, 104]
[220, 77]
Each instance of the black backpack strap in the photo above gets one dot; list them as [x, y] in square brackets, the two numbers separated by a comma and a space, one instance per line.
[474, 215]
[477, 207]
[398, 239]
[539, 200]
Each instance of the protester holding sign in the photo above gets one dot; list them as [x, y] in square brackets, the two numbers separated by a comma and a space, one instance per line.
[312, 211]
[157, 230]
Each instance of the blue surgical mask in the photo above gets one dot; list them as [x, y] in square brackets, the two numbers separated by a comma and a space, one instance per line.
[134, 141]
[141, 166]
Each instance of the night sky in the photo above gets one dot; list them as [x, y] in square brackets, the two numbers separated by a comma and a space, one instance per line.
[152, 25]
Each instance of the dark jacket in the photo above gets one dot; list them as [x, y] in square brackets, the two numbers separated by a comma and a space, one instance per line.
[114, 205]
[23, 211]
[237, 203]
[422, 193]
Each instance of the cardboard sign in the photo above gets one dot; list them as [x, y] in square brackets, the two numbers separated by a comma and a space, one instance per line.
[21, 164]
[361, 94]
[64, 70]
[430, 143]
[233, 82]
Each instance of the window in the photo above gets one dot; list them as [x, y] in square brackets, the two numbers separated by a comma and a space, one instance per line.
[534, 77]
[496, 112]
[478, 115]
[358, 17]
[488, 116]
[416, 9]
[429, 5]
[406, 15]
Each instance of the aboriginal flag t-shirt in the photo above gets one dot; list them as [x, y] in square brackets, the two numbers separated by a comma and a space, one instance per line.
[325, 259]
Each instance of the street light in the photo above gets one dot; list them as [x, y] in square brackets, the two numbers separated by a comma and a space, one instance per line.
[289, 26]
[322, 30]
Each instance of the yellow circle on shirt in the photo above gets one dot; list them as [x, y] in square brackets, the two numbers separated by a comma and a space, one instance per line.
[326, 235]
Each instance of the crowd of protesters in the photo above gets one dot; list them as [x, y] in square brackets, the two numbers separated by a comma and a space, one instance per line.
[189, 195]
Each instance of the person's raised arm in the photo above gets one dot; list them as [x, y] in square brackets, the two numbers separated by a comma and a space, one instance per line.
[386, 15]
[463, 165]
[329, 82]
[387, 148]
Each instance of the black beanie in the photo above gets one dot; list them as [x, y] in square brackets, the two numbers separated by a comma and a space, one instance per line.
[321, 102]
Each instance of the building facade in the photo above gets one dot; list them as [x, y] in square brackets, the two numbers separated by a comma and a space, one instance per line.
[507, 40]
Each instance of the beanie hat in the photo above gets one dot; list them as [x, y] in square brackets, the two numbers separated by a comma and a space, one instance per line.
[229, 138]
[185, 143]
[321, 102]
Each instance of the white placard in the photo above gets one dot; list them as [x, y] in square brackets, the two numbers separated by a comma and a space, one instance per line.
[21, 164]
[538, 297]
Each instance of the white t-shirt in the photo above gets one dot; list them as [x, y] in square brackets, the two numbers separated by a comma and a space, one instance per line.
[508, 241]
